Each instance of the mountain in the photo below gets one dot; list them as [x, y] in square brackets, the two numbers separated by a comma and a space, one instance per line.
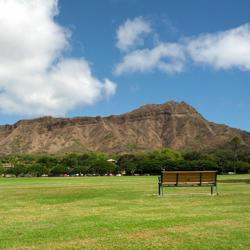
[172, 124]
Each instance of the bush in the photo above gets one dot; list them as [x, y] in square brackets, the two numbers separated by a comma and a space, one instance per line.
[185, 165]
[129, 163]
[1, 170]
[195, 156]
[59, 170]
[80, 170]
[102, 167]
[17, 170]
[36, 170]
[239, 166]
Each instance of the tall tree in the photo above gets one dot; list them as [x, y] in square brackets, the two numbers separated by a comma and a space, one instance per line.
[235, 142]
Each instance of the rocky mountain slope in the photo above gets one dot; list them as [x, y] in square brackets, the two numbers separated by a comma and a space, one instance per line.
[172, 124]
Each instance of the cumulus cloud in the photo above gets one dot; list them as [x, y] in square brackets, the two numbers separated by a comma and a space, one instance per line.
[222, 50]
[131, 33]
[35, 76]
[166, 57]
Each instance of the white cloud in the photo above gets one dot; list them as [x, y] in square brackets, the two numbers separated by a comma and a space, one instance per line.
[35, 77]
[222, 50]
[109, 87]
[166, 57]
[131, 33]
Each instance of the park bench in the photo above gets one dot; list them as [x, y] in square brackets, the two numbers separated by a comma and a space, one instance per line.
[188, 179]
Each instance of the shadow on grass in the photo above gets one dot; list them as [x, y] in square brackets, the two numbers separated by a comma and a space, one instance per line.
[185, 194]
[245, 181]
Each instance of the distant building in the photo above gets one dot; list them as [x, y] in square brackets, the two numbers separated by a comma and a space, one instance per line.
[8, 165]
[112, 160]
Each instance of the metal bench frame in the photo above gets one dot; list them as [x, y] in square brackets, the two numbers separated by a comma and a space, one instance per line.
[187, 183]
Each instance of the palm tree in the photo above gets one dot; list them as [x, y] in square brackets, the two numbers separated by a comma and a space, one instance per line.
[235, 142]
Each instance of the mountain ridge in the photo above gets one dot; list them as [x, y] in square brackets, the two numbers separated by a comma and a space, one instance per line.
[152, 126]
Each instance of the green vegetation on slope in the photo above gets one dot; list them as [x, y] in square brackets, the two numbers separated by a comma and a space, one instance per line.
[122, 213]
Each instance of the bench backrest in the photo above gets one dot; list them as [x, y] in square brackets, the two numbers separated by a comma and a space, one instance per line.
[189, 177]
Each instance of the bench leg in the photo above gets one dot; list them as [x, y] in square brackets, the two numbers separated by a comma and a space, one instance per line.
[212, 190]
[159, 189]
[216, 190]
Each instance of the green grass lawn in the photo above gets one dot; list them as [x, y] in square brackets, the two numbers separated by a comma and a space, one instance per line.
[122, 213]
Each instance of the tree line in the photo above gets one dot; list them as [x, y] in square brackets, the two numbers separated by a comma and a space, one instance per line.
[94, 163]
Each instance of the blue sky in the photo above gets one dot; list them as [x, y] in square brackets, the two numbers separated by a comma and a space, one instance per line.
[215, 78]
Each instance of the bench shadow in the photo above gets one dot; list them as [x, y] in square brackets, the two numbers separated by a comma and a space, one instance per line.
[183, 194]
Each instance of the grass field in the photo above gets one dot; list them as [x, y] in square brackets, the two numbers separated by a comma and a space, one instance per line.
[122, 213]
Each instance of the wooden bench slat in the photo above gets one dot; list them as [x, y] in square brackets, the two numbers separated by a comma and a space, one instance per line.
[188, 178]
